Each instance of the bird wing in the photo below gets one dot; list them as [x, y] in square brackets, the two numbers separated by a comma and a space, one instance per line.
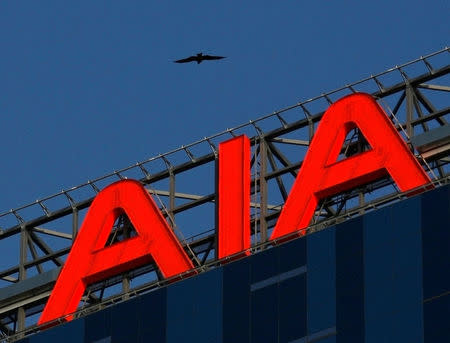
[186, 60]
[210, 57]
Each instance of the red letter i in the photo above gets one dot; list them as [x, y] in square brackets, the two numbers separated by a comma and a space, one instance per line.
[234, 198]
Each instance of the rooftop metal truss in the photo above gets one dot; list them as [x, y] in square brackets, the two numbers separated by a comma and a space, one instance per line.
[183, 182]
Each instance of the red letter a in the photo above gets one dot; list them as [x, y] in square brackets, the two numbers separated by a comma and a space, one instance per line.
[90, 261]
[321, 176]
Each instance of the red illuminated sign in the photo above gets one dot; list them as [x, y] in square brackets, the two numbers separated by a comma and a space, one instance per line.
[321, 175]
[90, 261]
[234, 197]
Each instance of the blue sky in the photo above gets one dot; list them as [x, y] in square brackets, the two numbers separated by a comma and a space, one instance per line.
[87, 87]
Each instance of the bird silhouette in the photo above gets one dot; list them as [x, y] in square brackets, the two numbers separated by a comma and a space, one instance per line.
[199, 58]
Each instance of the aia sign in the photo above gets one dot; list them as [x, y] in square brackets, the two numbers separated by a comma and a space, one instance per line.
[320, 176]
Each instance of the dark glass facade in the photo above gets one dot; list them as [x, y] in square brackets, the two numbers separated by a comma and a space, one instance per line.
[381, 277]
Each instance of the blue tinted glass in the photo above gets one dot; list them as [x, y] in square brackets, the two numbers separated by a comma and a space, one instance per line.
[331, 339]
[103, 340]
[292, 255]
[194, 309]
[236, 302]
[393, 263]
[349, 282]
[98, 325]
[437, 319]
[264, 265]
[264, 314]
[71, 332]
[321, 279]
[327, 335]
[124, 321]
[151, 314]
[436, 242]
[292, 308]
[378, 256]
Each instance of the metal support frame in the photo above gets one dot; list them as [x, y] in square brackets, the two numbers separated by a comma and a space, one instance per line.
[276, 158]
[263, 191]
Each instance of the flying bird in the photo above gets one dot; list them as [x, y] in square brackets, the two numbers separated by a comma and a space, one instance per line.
[199, 58]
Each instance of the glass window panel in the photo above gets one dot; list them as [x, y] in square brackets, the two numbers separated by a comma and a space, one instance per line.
[292, 309]
[392, 258]
[350, 282]
[292, 255]
[71, 332]
[152, 316]
[436, 242]
[436, 319]
[104, 340]
[194, 309]
[124, 321]
[321, 280]
[264, 265]
[98, 325]
[328, 340]
[264, 314]
[236, 301]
